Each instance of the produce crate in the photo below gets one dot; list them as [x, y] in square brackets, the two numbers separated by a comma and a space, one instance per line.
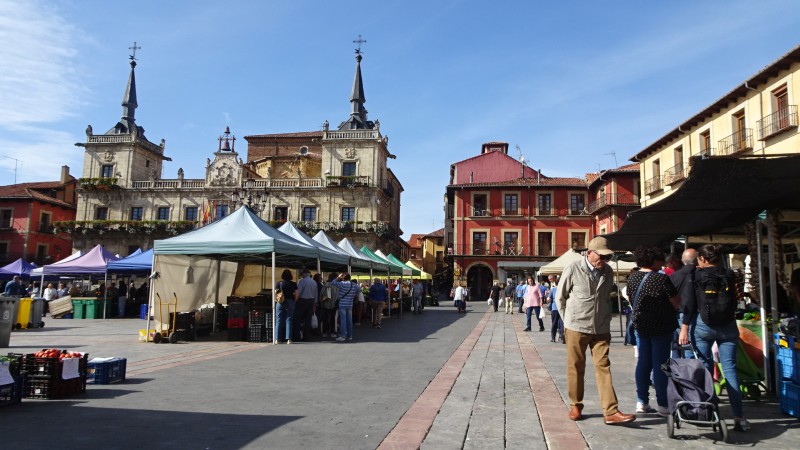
[50, 368]
[790, 398]
[237, 334]
[787, 341]
[789, 363]
[237, 322]
[259, 333]
[258, 317]
[60, 306]
[52, 388]
[106, 372]
[11, 394]
[237, 310]
[15, 362]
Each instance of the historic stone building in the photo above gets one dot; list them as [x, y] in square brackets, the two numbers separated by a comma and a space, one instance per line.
[337, 180]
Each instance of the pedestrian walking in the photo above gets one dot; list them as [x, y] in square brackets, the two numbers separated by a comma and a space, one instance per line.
[347, 295]
[494, 294]
[533, 304]
[285, 309]
[556, 323]
[510, 294]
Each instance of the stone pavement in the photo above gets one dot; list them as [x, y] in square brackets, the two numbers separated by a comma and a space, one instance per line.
[508, 390]
[439, 380]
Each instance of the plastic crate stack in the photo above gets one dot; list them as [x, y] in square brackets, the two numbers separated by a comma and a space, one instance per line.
[45, 378]
[11, 394]
[260, 326]
[788, 356]
[237, 321]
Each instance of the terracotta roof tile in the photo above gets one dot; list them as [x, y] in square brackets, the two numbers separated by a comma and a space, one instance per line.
[28, 191]
[437, 233]
[542, 181]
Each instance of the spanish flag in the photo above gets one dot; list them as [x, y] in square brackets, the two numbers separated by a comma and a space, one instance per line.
[206, 213]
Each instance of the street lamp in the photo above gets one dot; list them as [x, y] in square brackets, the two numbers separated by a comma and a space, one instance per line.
[254, 198]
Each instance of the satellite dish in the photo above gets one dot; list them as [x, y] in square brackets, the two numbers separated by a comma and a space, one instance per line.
[303, 150]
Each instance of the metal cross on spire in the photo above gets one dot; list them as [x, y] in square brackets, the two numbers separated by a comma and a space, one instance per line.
[134, 48]
[359, 41]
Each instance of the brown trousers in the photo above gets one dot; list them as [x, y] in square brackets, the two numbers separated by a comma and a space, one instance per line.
[576, 367]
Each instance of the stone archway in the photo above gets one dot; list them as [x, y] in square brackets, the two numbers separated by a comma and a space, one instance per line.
[479, 281]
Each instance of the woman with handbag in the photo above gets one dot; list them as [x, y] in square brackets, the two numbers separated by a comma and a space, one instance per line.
[656, 302]
[284, 306]
[330, 302]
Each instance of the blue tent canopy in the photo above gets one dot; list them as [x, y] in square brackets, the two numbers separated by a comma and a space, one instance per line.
[137, 262]
[19, 267]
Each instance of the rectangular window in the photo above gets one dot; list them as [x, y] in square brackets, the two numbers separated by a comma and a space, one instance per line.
[479, 243]
[4, 256]
[44, 222]
[101, 213]
[280, 214]
[510, 243]
[781, 103]
[577, 204]
[107, 171]
[5, 218]
[480, 205]
[348, 169]
[544, 241]
[41, 252]
[705, 141]
[137, 213]
[220, 211]
[309, 213]
[162, 213]
[511, 204]
[348, 214]
[577, 240]
[545, 204]
[190, 213]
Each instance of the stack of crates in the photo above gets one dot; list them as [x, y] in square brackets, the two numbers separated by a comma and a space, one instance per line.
[45, 378]
[788, 356]
[237, 322]
[260, 326]
[11, 394]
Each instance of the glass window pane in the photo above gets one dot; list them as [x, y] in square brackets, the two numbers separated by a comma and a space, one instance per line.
[190, 213]
[348, 169]
[348, 214]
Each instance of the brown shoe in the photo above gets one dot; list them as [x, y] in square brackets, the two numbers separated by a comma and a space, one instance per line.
[575, 413]
[619, 418]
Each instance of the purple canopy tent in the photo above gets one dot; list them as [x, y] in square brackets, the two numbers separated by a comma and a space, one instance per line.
[19, 267]
[95, 261]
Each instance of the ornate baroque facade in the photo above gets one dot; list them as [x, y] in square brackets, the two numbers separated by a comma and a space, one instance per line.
[337, 180]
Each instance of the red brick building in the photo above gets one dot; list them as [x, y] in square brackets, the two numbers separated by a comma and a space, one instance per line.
[504, 219]
[613, 194]
[27, 211]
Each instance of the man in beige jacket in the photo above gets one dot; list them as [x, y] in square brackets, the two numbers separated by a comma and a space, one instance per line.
[582, 298]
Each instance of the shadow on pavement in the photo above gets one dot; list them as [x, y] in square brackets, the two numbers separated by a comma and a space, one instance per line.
[80, 427]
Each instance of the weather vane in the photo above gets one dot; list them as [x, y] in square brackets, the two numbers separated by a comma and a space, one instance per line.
[134, 48]
[359, 41]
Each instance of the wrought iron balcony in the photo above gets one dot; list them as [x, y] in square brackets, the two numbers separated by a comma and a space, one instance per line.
[481, 212]
[652, 185]
[347, 181]
[778, 121]
[674, 174]
[737, 142]
[609, 199]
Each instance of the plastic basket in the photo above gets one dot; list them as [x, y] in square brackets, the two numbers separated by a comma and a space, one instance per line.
[50, 368]
[789, 363]
[790, 398]
[787, 341]
[55, 387]
[106, 372]
[11, 394]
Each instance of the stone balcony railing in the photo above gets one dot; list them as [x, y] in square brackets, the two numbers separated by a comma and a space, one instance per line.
[273, 183]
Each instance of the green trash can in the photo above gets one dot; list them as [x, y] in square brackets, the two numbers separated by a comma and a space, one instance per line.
[78, 309]
[94, 309]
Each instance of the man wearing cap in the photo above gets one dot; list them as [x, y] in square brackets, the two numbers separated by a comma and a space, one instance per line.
[583, 300]
[305, 306]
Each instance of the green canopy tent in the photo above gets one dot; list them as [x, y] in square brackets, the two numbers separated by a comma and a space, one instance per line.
[422, 274]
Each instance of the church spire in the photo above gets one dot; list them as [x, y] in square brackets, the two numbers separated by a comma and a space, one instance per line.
[358, 114]
[129, 100]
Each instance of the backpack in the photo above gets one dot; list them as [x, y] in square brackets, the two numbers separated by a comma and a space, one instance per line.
[716, 296]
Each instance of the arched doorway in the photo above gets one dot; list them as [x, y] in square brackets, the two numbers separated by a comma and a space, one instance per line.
[479, 280]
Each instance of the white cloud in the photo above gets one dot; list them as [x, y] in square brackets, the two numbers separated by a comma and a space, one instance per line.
[40, 159]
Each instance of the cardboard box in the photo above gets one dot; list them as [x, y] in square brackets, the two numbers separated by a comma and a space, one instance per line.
[143, 333]
[60, 306]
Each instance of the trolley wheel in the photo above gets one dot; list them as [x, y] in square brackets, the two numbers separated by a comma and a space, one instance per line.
[723, 431]
[173, 338]
[671, 426]
[30, 326]
[41, 324]
[17, 326]
[157, 338]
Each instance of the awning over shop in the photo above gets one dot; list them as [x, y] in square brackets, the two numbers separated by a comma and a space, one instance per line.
[407, 271]
[356, 262]
[138, 262]
[422, 274]
[331, 259]
[718, 194]
[393, 268]
[19, 267]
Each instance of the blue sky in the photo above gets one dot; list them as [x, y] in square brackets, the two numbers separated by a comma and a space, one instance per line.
[569, 82]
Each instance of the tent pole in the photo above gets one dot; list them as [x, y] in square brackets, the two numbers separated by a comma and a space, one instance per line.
[216, 296]
[274, 305]
[773, 289]
[762, 311]
[150, 300]
[105, 294]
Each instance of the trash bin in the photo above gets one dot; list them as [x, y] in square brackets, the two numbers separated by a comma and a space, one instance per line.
[78, 308]
[23, 313]
[143, 311]
[7, 318]
[37, 312]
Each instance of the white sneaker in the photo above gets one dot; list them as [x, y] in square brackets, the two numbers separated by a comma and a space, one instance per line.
[339, 339]
[643, 408]
[349, 339]
[662, 411]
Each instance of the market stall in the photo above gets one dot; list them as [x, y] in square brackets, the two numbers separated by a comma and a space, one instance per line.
[20, 268]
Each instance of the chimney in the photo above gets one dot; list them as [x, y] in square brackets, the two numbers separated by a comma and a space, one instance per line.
[65, 174]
